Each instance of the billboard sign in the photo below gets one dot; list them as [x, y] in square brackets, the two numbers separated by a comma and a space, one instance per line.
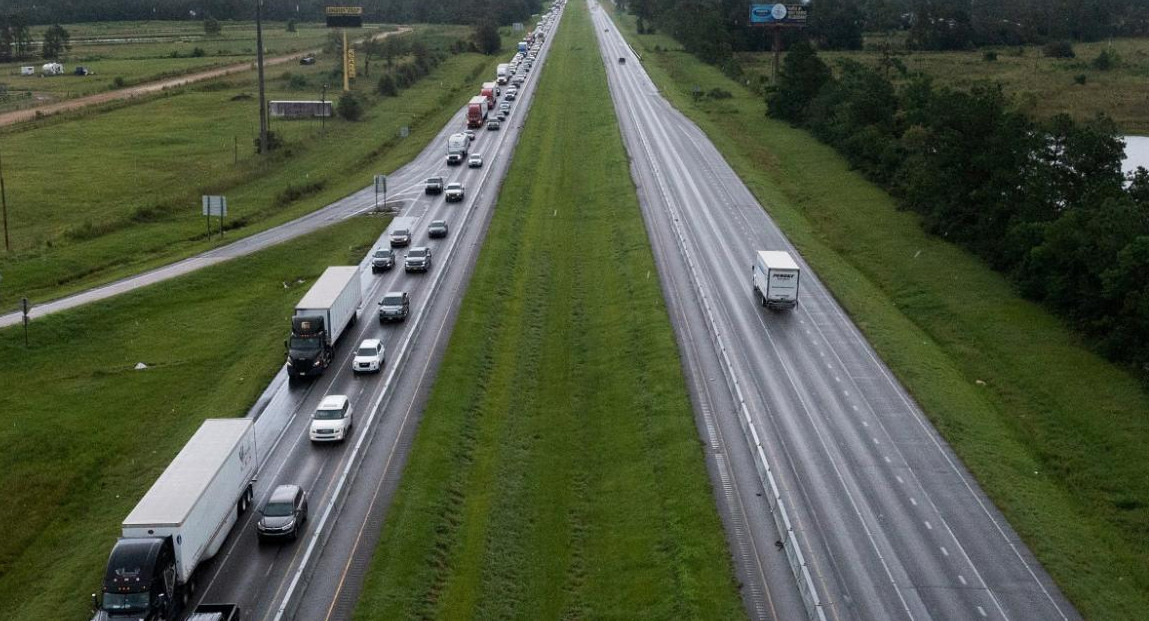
[778, 14]
[344, 16]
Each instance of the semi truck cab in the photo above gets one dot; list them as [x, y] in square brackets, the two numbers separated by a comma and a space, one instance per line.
[307, 350]
[140, 582]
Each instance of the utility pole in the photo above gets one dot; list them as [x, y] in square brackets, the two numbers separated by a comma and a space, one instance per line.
[323, 111]
[259, 62]
[4, 202]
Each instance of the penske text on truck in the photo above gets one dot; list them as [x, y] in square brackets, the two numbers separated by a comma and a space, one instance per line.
[320, 318]
[179, 523]
[775, 278]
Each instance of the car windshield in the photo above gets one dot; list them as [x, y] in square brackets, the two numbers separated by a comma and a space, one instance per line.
[392, 300]
[400, 233]
[367, 351]
[379, 254]
[417, 253]
[277, 509]
[126, 602]
[328, 414]
[455, 186]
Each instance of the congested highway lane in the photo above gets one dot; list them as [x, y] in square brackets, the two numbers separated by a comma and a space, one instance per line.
[350, 484]
[879, 518]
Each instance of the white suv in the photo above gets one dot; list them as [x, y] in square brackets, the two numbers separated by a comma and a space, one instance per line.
[331, 421]
[369, 357]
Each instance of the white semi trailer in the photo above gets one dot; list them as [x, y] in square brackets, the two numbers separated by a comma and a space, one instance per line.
[179, 523]
[775, 279]
[320, 319]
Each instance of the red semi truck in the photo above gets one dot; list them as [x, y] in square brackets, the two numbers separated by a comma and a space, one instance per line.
[490, 90]
[477, 112]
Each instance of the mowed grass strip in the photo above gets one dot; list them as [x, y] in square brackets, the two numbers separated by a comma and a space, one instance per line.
[1054, 434]
[557, 473]
[105, 195]
[83, 434]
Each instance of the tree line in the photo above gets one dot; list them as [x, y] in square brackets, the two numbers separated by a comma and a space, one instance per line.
[1045, 202]
[40, 12]
[714, 29]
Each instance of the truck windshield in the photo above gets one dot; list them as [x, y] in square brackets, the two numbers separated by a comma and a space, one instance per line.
[126, 602]
[306, 343]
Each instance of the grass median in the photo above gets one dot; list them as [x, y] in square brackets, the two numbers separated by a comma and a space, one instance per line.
[1054, 434]
[557, 472]
[84, 434]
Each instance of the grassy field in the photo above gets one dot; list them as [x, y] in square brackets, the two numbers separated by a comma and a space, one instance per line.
[557, 473]
[1041, 86]
[144, 51]
[85, 434]
[1055, 434]
[94, 198]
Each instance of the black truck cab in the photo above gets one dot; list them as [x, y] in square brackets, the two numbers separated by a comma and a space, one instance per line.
[140, 583]
[308, 352]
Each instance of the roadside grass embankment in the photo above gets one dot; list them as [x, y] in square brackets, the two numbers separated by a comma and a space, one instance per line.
[83, 434]
[1055, 434]
[106, 195]
[557, 472]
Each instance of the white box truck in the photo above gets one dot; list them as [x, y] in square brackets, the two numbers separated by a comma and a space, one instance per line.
[179, 523]
[502, 73]
[320, 319]
[775, 279]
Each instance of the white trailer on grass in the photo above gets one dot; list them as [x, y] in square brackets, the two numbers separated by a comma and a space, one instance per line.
[775, 279]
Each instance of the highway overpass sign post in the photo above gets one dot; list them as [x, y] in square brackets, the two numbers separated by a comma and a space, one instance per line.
[775, 17]
[380, 186]
[345, 17]
[214, 206]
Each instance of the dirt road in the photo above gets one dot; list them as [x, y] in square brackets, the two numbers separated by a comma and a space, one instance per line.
[27, 114]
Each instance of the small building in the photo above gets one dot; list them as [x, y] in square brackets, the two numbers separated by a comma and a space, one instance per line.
[28, 70]
[299, 109]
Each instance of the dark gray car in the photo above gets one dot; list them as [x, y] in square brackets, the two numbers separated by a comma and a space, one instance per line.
[283, 515]
[382, 260]
[394, 306]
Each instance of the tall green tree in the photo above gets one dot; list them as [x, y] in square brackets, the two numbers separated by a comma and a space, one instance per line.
[486, 37]
[57, 40]
[211, 26]
[800, 77]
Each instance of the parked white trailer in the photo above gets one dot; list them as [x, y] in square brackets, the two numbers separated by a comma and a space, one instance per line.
[180, 522]
[775, 279]
[320, 319]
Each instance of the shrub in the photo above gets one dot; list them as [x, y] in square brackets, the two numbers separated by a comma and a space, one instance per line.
[718, 93]
[989, 56]
[198, 52]
[387, 87]
[119, 82]
[1106, 60]
[350, 107]
[1079, 78]
[1058, 49]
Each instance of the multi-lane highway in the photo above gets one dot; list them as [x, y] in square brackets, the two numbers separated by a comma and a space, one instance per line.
[350, 484]
[841, 500]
